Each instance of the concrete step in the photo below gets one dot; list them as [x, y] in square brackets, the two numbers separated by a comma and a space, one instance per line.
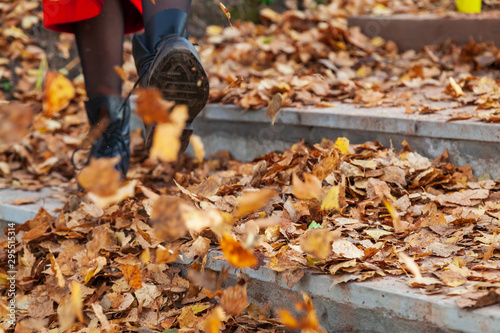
[413, 31]
[380, 305]
[250, 134]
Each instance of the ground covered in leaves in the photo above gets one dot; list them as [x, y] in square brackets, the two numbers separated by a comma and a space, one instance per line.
[355, 212]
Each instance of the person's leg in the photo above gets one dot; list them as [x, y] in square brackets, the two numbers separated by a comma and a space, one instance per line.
[149, 9]
[100, 46]
[165, 59]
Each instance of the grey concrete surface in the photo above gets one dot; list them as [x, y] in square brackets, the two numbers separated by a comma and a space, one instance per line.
[413, 31]
[22, 213]
[380, 305]
[250, 134]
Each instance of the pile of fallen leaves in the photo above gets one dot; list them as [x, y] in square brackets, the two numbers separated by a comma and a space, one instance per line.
[311, 58]
[110, 259]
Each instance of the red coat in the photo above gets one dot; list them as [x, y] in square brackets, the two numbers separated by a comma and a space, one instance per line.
[57, 14]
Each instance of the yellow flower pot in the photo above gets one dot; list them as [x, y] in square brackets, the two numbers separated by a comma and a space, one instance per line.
[469, 6]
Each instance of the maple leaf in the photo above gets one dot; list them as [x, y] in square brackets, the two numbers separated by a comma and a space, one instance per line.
[309, 189]
[235, 253]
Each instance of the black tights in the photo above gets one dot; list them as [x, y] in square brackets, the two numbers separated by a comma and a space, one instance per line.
[100, 43]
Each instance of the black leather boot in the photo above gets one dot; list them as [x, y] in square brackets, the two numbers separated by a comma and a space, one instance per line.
[166, 59]
[115, 139]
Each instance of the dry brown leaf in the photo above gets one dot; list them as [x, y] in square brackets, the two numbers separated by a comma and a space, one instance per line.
[100, 176]
[234, 299]
[151, 106]
[318, 242]
[274, 107]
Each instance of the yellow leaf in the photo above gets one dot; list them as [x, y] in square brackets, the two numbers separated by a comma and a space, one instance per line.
[236, 254]
[166, 143]
[59, 92]
[331, 201]
[309, 189]
[199, 150]
[253, 200]
[396, 221]
[214, 30]
[213, 321]
[458, 90]
[54, 266]
[133, 275]
[145, 256]
[76, 299]
[342, 144]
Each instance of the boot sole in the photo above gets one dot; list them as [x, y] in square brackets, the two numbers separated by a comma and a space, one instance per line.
[181, 78]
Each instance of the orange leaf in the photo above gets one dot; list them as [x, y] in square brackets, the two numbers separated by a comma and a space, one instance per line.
[307, 322]
[76, 299]
[236, 83]
[151, 106]
[213, 321]
[54, 266]
[228, 14]
[236, 254]
[133, 275]
[309, 189]
[252, 201]
[59, 92]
